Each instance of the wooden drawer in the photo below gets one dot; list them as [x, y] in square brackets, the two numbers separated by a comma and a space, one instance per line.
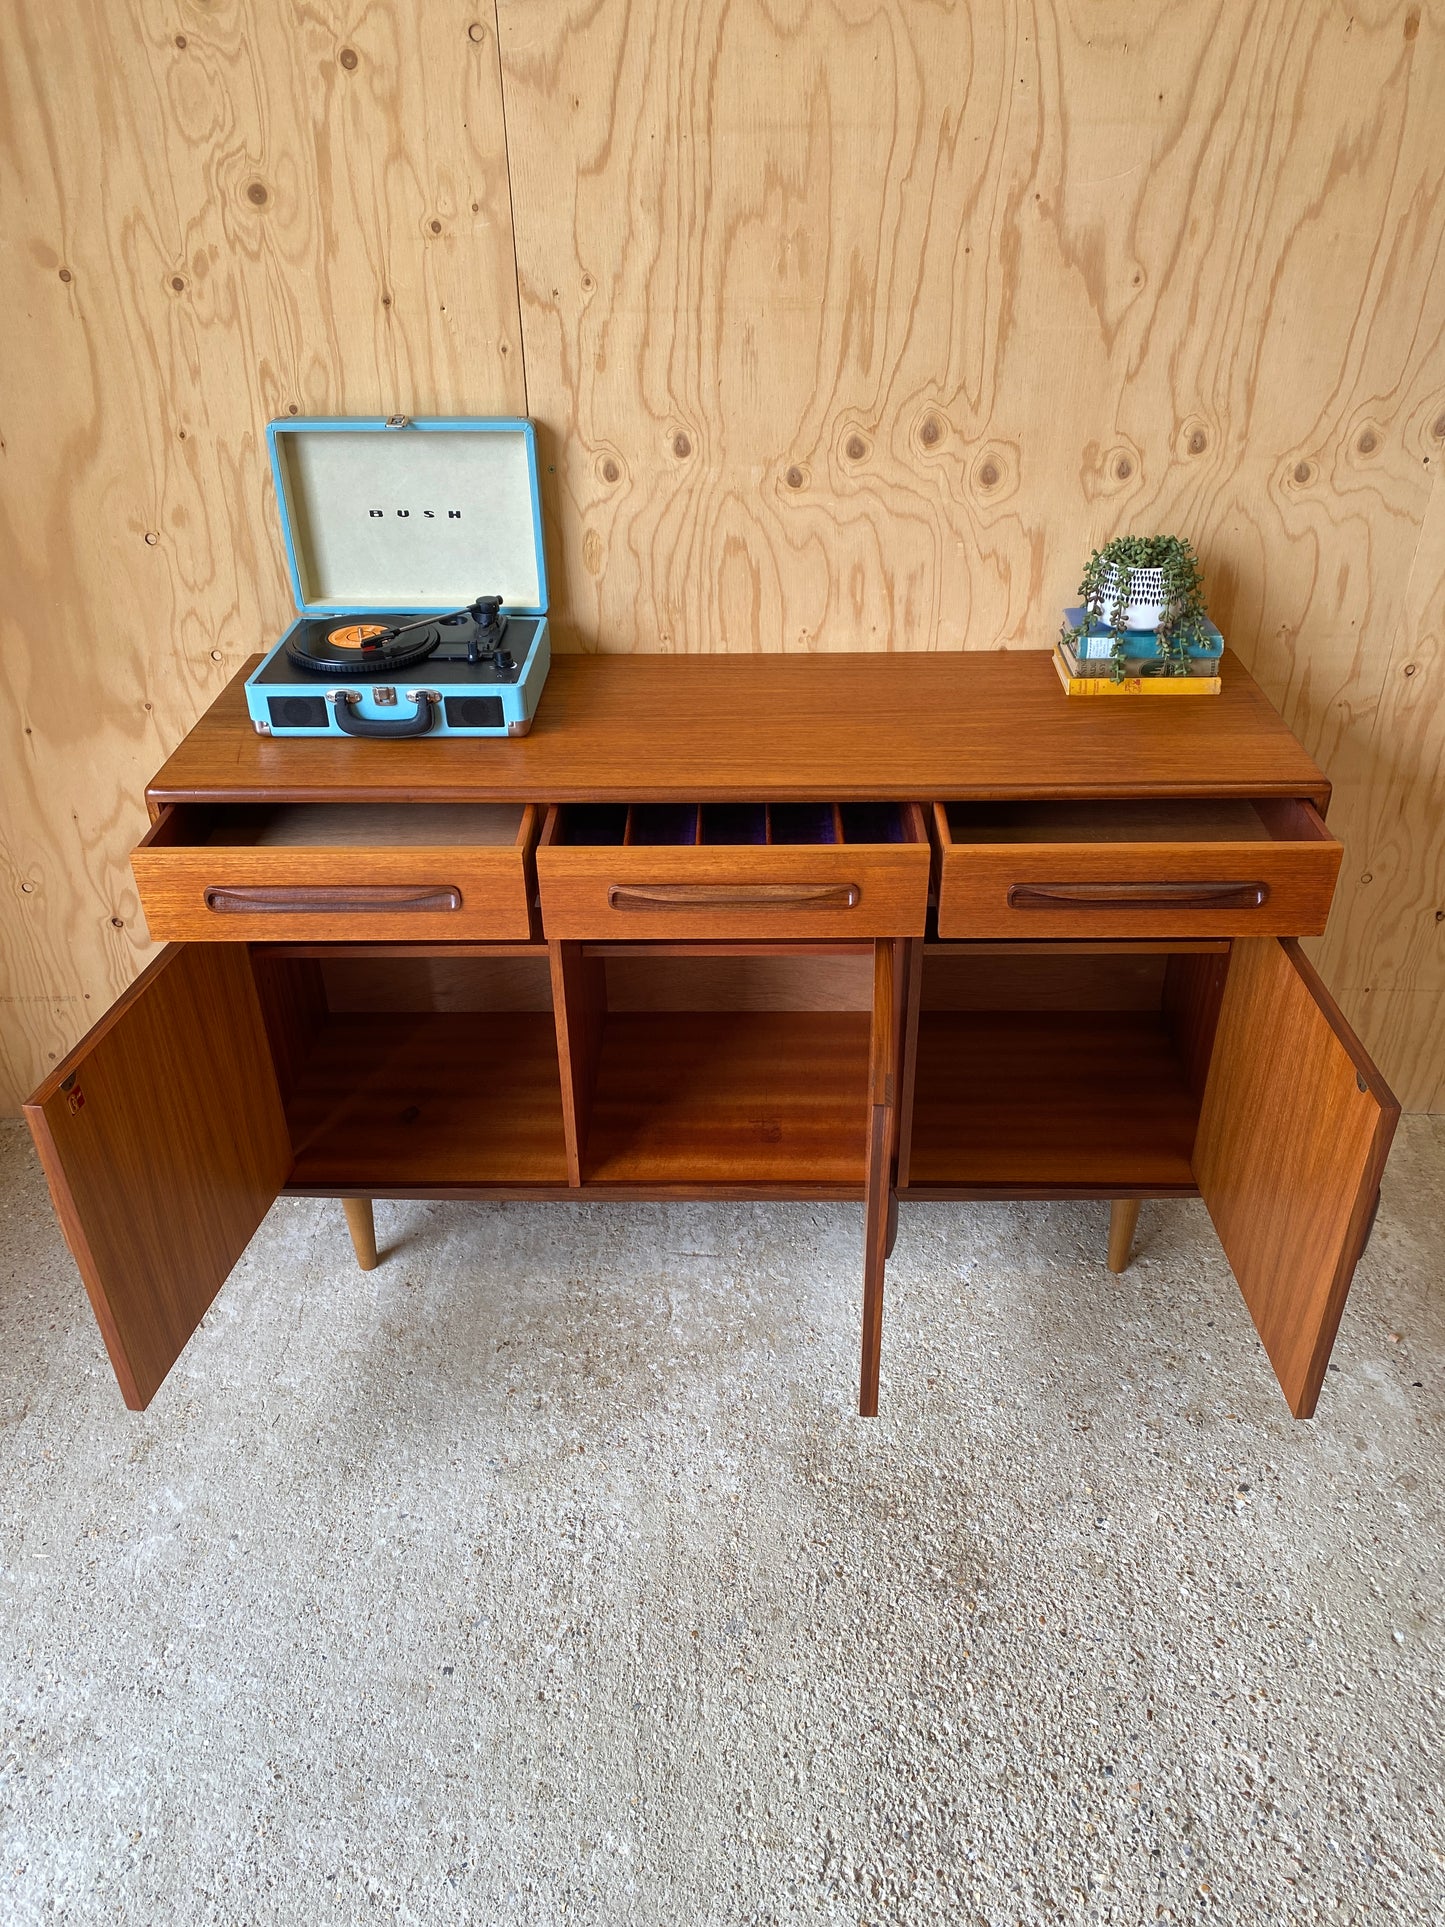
[1114, 868]
[746, 870]
[339, 872]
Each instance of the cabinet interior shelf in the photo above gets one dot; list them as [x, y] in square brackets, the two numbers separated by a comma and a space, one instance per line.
[767, 1097]
[684, 1100]
[393, 1098]
[731, 1073]
[1018, 1100]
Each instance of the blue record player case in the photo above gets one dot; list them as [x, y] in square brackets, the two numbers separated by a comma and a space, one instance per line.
[389, 523]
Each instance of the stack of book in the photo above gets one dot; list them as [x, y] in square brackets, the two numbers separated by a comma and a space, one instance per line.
[1087, 664]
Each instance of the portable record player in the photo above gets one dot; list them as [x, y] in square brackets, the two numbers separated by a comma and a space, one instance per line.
[415, 549]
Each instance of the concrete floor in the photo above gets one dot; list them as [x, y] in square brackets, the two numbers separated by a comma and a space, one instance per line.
[545, 1574]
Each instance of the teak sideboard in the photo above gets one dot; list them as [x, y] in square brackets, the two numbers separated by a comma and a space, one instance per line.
[860, 927]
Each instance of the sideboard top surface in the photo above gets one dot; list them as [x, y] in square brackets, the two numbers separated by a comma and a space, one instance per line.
[976, 724]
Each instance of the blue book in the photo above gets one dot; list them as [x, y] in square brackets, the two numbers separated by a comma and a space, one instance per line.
[1097, 645]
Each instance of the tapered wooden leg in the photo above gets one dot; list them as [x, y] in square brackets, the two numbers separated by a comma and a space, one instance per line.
[1123, 1217]
[892, 1224]
[361, 1223]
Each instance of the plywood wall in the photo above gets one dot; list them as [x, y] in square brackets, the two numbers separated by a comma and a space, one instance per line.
[846, 324]
[212, 212]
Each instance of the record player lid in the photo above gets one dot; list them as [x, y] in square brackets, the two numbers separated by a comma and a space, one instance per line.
[409, 514]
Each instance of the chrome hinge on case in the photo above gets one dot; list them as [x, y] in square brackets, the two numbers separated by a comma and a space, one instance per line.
[398, 421]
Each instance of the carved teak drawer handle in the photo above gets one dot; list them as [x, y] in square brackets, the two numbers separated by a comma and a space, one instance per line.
[732, 896]
[1138, 896]
[357, 898]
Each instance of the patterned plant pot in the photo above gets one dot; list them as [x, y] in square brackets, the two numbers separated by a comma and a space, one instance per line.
[1139, 601]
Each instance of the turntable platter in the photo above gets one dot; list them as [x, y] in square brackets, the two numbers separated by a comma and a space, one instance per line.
[361, 648]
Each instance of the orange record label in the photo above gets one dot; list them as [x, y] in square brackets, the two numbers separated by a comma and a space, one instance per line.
[356, 635]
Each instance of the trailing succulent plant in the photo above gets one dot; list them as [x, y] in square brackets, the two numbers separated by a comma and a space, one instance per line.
[1106, 587]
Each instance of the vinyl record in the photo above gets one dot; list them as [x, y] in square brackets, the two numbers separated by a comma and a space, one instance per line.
[356, 635]
[362, 648]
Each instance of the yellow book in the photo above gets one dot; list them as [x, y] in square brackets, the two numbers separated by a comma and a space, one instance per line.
[1134, 685]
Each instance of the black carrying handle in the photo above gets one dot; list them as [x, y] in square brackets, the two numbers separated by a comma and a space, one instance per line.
[417, 724]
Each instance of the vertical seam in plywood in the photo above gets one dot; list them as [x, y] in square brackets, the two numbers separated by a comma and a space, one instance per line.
[511, 205]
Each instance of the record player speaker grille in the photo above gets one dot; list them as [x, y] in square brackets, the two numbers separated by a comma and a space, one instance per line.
[297, 712]
[474, 712]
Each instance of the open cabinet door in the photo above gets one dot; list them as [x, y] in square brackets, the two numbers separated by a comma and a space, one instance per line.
[879, 1164]
[1293, 1134]
[164, 1143]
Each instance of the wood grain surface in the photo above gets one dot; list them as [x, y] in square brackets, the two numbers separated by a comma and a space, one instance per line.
[214, 215]
[854, 325]
[1384, 951]
[825, 890]
[579, 999]
[419, 1098]
[1074, 1098]
[989, 723]
[847, 323]
[215, 890]
[730, 1097]
[165, 1145]
[1293, 1135]
[1070, 889]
